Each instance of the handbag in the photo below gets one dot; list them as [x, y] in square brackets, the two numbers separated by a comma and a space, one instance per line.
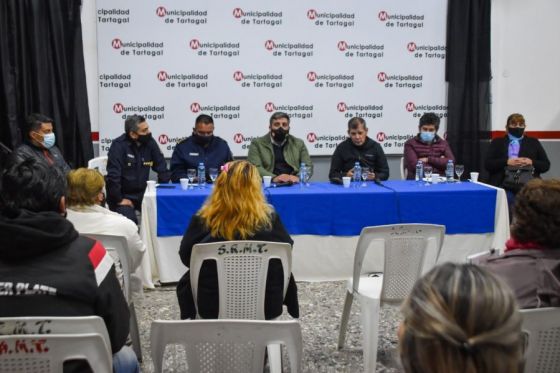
[517, 177]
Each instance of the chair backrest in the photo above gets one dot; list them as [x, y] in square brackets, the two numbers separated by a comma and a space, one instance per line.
[542, 328]
[234, 346]
[409, 250]
[477, 257]
[55, 325]
[242, 272]
[117, 245]
[404, 170]
[44, 353]
[99, 164]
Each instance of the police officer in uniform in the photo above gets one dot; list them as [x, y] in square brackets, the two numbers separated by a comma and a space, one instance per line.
[130, 158]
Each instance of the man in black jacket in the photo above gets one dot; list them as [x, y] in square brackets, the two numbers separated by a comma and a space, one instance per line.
[46, 268]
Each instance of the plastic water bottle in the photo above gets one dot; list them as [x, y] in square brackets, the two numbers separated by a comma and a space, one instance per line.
[357, 172]
[201, 175]
[302, 174]
[419, 171]
[449, 171]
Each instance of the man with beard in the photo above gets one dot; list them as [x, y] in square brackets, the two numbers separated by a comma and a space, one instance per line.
[130, 158]
[203, 147]
[279, 154]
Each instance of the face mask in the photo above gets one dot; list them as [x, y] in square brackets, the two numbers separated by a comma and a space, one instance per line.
[427, 136]
[279, 134]
[202, 140]
[516, 131]
[48, 140]
[143, 139]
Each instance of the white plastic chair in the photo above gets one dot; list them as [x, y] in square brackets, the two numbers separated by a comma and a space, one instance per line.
[477, 257]
[242, 268]
[99, 164]
[410, 250]
[233, 346]
[542, 328]
[118, 245]
[42, 353]
[404, 171]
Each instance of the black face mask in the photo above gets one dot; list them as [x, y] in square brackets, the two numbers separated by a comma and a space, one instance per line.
[516, 131]
[143, 139]
[279, 134]
[202, 140]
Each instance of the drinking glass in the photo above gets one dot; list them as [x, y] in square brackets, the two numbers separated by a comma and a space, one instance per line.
[428, 173]
[191, 174]
[365, 175]
[213, 172]
[459, 169]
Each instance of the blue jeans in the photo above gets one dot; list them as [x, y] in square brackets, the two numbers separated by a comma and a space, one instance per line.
[125, 361]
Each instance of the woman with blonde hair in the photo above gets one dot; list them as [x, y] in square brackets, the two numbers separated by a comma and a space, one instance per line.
[236, 210]
[460, 318]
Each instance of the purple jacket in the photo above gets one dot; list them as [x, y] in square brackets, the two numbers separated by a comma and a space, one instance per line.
[438, 153]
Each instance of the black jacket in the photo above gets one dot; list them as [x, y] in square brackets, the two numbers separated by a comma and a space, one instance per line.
[497, 156]
[47, 269]
[208, 302]
[52, 156]
[128, 168]
[370, 155]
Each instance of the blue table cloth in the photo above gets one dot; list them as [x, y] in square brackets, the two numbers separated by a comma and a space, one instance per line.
[327, 209]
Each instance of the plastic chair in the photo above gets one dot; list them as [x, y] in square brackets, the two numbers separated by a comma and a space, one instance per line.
[99, 164]
[233, 346]
[246, 263]
[477, 257]
[410, 250]
[542, 328]
[404, 171]
[46, 353]
[118, 244]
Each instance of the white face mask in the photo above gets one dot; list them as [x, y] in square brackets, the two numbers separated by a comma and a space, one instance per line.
[49, 140]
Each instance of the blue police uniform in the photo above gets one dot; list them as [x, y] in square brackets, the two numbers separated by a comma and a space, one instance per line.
[128, 169]
[188, 154]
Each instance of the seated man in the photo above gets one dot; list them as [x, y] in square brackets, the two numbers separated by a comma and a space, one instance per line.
[39, 142]
[203, 147]
[358, 147]
[130, 158]
[279, 154]
[46, 268]
[427, 147]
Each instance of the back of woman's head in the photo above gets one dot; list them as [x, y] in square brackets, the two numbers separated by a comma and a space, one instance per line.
[84, 186]
[460, 318]
[237, 208]
[536, 216]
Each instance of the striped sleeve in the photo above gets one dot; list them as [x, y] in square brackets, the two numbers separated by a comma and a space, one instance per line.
[101, 261]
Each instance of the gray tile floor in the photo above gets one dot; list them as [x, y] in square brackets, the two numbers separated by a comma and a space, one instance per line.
[320, 310]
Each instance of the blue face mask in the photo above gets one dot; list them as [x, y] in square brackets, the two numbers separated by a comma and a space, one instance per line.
[48, 140]
[427, 136]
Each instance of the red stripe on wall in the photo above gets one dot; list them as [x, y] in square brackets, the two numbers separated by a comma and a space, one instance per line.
[96, 254]
[543, 135]
[95, 136]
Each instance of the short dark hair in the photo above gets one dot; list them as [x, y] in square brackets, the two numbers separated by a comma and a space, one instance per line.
[279, 115]
[429, 119]
[131, 123]
[31, 184]
[33, 122]
[204, 118]
[355, 122]
[515, 117]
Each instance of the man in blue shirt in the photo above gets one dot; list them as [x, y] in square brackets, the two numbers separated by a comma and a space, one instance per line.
[203, 147]
[130, 158]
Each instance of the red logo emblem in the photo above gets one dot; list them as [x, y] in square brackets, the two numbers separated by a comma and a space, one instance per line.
[195, 107]
[311, 137]
[118, 108]
[238, 138]
[269, 44]
[381, 76]
[341, 106]
[380, 136]
[116, 43]
[342, 45]
[161, 11]
[163, 139]
[411, 46]
[311, 76]
[311, 14]
[162, 76]
[194, 44]
[382, 15]
[238, 76]
[410, 106]
[238, 13]
[269, 106]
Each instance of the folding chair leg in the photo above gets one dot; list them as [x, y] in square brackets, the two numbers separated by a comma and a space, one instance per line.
[370, 329]
[275, 358]
[344, 320]
[134, 333]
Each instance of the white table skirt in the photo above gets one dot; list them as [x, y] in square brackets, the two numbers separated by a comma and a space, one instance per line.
[314, 258]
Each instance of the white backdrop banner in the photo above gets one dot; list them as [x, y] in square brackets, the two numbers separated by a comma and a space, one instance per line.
[322, 62]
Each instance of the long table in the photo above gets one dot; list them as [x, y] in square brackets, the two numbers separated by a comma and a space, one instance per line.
[325, 221]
